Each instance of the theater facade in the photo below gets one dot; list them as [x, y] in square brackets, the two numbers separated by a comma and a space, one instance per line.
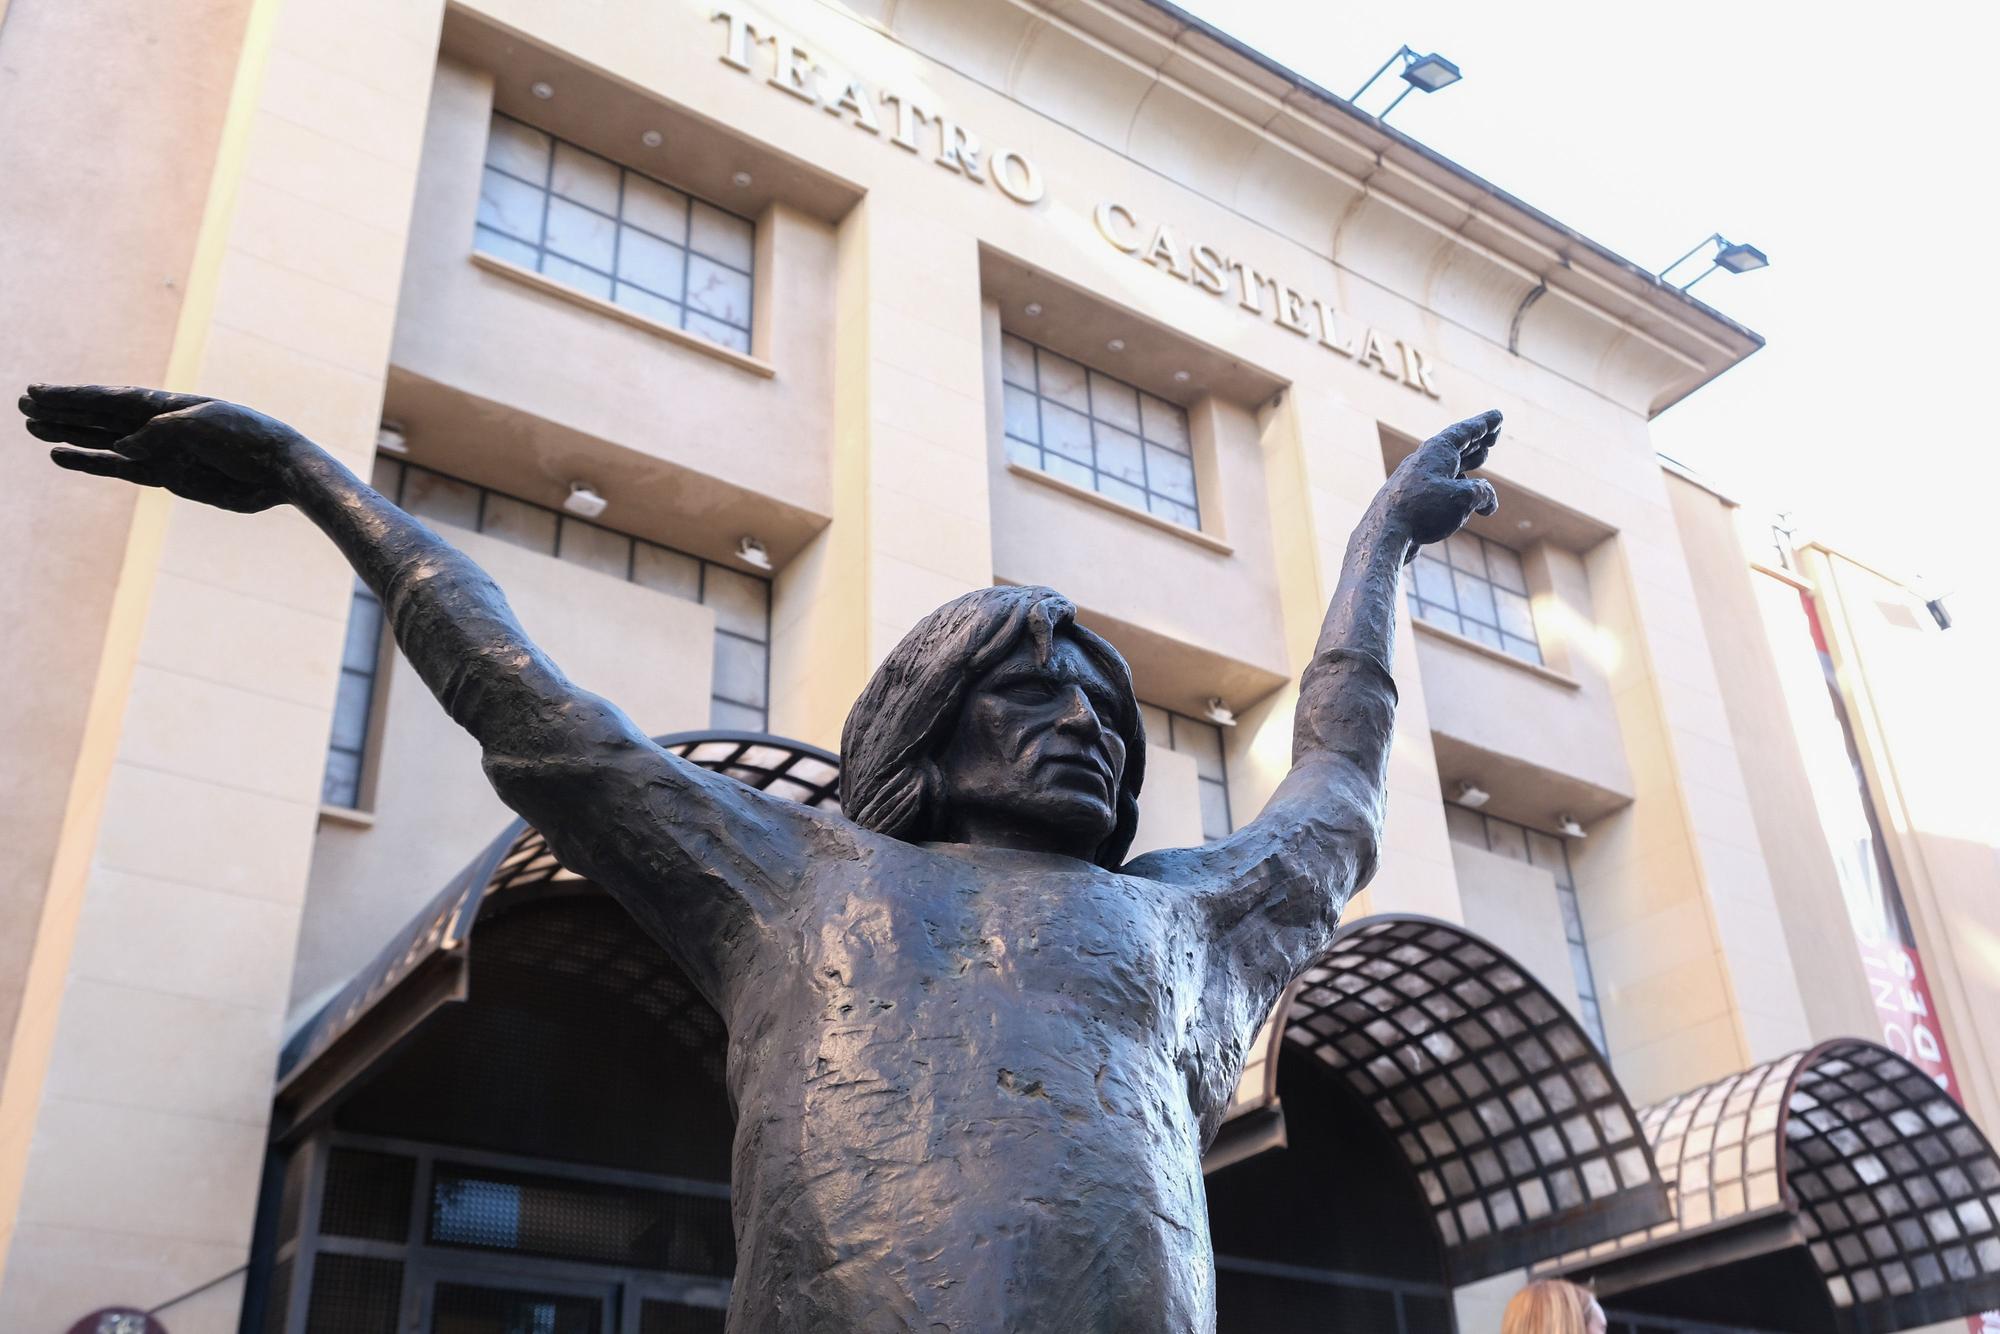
[731, 340]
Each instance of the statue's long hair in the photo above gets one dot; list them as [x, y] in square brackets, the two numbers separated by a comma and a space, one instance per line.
[889, 776]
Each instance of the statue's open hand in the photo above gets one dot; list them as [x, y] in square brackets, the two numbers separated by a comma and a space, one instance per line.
[201, 449]
[1429, 497]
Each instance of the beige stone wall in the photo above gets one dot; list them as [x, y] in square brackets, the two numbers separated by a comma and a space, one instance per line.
[1514, 905]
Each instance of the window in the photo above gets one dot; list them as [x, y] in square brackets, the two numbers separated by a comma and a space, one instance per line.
[1084, 427]
[588, 223]
[1474, 587]
[742, 604]
[1548, 852]
[1201, 742]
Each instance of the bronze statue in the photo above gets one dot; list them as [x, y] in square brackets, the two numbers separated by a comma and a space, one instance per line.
[975, 1054]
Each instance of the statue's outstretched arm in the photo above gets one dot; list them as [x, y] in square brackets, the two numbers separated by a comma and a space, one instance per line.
[1276, 886]
[693, 855]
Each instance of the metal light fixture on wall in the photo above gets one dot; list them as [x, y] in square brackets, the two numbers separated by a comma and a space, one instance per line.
[585, 501]
[1427, 73]
[1728, 255]
[1472, 795]
[1219, 713]
[751, 552]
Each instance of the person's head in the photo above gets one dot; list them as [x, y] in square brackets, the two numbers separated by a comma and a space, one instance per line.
[1551, 1306]
[998, 712]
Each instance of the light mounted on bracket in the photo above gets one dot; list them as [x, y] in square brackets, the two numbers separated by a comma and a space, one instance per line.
[1219, 713]
[1729, 255]
[1567, 826]
[585, 501]
[1470, 794]
[390, 438]
[751, 552]
[1423, 73]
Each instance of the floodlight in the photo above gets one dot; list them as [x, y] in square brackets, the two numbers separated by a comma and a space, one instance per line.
[1423, 74]
[1728, 255]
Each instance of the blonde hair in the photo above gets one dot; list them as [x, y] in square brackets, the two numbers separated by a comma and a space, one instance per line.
[1548, 1306]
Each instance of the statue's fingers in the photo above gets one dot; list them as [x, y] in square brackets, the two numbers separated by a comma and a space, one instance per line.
[99, 464]
[1485, 500]
[63, 433]
[104, 405]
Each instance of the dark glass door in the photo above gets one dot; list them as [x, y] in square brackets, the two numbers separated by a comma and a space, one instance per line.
[473, 1308]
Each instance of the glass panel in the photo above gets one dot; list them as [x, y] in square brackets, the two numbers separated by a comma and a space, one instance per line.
[1480, 631]
[1017, 361]
[523, 524]
[1067, 433]
[577, 233]
[441, 499]
[1434, 581]
[1163, 422]
[1475, 598]
[1546, 852]
[505, 247]
[1203, 743]
[509, 206]
[1113, 401]
[1523, 649]
[577, 276]
[1462, 550]
[652, 307]
[386, 476]
[739, 670]
[1159, 729]
[1169, 474]
[1214, 810]
[1123, 492]
[666, 571]
[1027, 455]
[742, 604]
[1507, 839]
[350, 710]
[1505, 568]
[1064, 381]
[364, 634]
[1023, 422]
[721, 236]
[341, 784]
[1465, 826]
[653, 264]
[595, 548]
[734, 717]
[1118, 455]
[517, 148]
[1515, 616]
[1175, 512]
[460, 1308]
[1076, 474]
[661, 211]
[721, 292]
[1438, 616]
[715, 331]
[586, 178]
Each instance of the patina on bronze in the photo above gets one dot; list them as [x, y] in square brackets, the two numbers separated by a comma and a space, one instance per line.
[976, 1054]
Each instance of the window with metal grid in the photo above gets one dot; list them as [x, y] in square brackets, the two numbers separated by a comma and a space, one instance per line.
[278, 1297]
[1519, 843]
[466, 1308]
[354, 1294]
[1202, 742]
[1105, 435]
[1474, 587]
[740, 690]
[563, 1218]
[620, 236]
[367, 1195]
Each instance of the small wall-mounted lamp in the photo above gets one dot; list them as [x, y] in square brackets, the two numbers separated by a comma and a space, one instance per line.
[1728, 255]
[1471, 795]
[751, 552]
[1423, 73]
[1567, 826]
[389, 438]
[584, 501]
[1218, 713]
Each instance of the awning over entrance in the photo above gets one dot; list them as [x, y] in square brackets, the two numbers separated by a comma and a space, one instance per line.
[1847, 1154]
[1522, 1142]
[1519, 1140]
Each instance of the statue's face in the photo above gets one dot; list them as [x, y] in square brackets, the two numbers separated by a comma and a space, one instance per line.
[1037, 759]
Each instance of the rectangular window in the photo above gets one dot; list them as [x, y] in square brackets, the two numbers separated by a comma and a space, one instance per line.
[1474, 587]
[1202, 742]
[1551, 854]
[588, 223]
[740, 692]
[1085, 427]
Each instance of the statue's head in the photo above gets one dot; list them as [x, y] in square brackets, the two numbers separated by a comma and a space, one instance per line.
[999, 711]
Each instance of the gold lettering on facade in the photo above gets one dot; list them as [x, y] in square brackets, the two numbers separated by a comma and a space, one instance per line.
[1164, 252]
[795, 71]
[1209, 268]
[958, 150]
[1114, 219]
[1291, 309]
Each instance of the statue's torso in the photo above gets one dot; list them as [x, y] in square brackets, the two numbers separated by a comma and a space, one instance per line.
[966, 1103]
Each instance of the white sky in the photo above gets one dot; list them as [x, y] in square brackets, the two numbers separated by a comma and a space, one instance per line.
[1853, 144]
